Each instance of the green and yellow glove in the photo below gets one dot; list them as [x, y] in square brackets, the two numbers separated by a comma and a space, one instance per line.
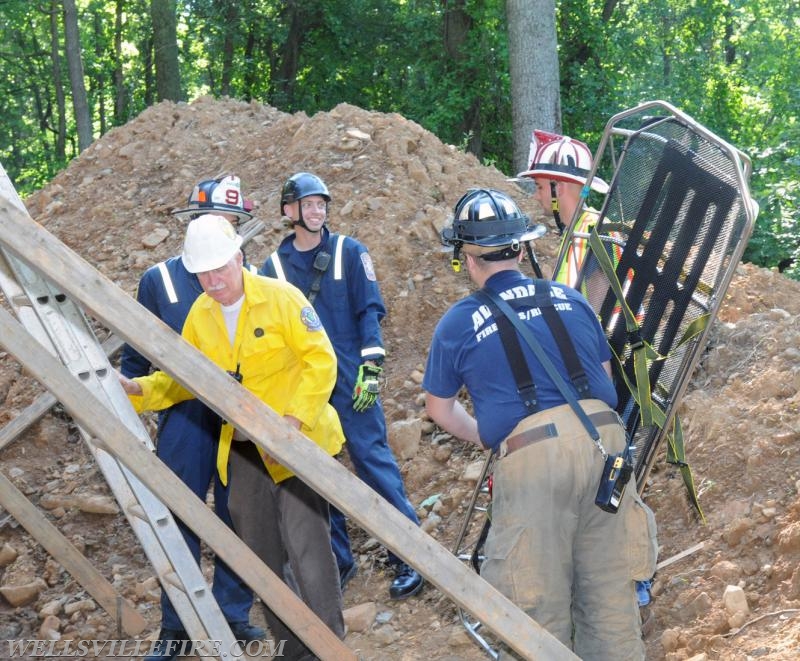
[365, 394]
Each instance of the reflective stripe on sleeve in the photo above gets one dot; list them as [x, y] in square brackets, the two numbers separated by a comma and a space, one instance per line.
[337, 259]
[276, 263]
[168, 286]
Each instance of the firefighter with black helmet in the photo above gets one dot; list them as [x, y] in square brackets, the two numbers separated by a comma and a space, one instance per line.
[550, 549]
[337, 275]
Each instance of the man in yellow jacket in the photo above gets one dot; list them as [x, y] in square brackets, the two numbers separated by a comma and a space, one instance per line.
[266, 335]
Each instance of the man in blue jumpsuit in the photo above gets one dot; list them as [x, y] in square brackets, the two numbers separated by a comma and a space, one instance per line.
[336, 274]
[560, 557]
[188, 432]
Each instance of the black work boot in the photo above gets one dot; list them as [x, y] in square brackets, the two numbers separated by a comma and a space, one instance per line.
[246, 632]
[168, 645]
[407, 582]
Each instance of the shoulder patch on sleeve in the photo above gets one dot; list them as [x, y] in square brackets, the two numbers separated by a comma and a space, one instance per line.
[310, 319]
[369, 269]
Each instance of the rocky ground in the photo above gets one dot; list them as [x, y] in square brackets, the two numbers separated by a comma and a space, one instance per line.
[394, 184]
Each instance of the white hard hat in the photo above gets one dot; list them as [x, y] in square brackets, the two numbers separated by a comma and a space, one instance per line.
[210, 243]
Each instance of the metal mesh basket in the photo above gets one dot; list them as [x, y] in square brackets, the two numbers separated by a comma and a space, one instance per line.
[676, 218]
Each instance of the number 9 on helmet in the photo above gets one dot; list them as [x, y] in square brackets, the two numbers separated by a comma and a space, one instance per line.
[221, 195]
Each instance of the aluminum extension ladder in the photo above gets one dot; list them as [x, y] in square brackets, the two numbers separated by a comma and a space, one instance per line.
[62, 328]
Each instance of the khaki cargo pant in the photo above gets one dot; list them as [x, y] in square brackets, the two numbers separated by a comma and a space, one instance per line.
[558, 556]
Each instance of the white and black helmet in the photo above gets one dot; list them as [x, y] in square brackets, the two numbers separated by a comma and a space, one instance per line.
[220, 195]
[488, 219]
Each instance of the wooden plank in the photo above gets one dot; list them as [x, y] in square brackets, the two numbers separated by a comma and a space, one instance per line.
[680, 556]
[11, 430]
[103, 423]
[62, 550]
[155, 340]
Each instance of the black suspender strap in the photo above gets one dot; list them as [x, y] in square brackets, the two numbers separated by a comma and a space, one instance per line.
[510, 339]
[519, 367]
[516, 359]
[487, 296]
[566, 347]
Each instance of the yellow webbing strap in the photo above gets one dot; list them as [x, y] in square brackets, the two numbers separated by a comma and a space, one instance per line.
[676, 454]
[642, 352]
[676, 450]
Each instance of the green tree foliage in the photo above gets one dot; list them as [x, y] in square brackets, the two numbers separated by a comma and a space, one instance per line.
[728, 63]
[768, 51]
[29, 128]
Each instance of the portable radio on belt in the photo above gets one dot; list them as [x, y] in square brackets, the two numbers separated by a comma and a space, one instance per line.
[616, 473]
[321, 262]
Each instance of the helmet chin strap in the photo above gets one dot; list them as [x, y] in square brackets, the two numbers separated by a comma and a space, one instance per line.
[302, 221]
[554, 206]
[302, 224]
[456, 262]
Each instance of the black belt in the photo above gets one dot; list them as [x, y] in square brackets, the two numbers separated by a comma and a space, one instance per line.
[543, 432]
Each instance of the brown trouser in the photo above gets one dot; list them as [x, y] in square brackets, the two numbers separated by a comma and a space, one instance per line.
[555, 553]
[286, 524]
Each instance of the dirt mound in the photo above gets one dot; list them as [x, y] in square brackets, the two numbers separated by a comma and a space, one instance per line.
[393, 186]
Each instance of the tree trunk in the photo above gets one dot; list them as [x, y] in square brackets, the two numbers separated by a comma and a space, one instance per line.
[40, 93]
[457, 25]
[165, 48]
[72, 49]
[230, 26]
[58, 84]
[250, 68]
[98, 82]
[120, 94]
[533, 65]
[289, 58]
[146, 49]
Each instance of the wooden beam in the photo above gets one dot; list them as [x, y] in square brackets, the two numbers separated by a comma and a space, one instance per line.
[12, 429]
[103, 423]
[58, 546]
[155, 340]
[680, 556]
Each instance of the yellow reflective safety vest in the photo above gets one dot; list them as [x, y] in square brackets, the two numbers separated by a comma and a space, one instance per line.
[576, 254]
[578, 247]
[283, 354]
